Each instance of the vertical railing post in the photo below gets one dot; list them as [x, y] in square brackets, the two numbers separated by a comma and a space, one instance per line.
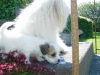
[75, 38]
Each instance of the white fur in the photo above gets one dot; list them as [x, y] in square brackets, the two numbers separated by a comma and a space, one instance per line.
[28, 45]
[16, 41]
[43, 18]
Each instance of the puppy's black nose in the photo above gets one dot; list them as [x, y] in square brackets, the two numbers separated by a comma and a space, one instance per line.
[58, 60]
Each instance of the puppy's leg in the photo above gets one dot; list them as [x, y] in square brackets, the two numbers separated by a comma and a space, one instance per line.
[62, 45]
[27, 58]
[39, 58]
[3, 56]
[4, 51]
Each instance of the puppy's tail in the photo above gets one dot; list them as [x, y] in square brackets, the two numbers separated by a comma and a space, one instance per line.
[4, 28]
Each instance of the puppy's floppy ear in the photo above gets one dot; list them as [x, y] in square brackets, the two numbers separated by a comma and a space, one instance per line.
[44, 48]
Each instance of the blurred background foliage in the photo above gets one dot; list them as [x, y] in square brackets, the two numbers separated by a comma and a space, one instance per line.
[8, 8]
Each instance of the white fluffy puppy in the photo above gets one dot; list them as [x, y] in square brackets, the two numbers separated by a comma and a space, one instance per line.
[29, 45]
[43, 18]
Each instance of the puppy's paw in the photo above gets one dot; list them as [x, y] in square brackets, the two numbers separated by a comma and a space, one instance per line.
[4, 57]
[40, 59]
[27, 62]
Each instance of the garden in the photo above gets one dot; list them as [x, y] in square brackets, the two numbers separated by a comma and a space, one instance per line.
[17, 65]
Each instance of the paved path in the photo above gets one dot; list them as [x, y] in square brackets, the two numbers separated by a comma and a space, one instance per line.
[95, 67]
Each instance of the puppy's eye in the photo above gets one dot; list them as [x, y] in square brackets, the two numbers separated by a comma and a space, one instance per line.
[61, 52]
[53, 55]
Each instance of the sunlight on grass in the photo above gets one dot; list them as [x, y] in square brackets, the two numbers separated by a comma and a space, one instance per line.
[93, 40]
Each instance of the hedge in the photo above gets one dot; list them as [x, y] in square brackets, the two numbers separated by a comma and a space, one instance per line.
[8, 7]
[85, 24]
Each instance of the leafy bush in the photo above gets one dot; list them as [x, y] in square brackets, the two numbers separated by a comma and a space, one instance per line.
[12, 65]
[8, 7]
[85, 24]
[87, 10]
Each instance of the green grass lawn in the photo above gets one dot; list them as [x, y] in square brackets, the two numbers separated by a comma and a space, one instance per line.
[93, 40]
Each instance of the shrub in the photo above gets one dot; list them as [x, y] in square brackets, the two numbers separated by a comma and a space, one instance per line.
[85, 24]
[8, 7]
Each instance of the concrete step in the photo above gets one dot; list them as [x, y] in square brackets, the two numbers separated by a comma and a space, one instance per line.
[85, 58]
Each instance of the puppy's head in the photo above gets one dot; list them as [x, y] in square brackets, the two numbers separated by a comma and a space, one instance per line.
[51, 52]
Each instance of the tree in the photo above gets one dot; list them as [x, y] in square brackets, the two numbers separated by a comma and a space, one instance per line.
[87, 10]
